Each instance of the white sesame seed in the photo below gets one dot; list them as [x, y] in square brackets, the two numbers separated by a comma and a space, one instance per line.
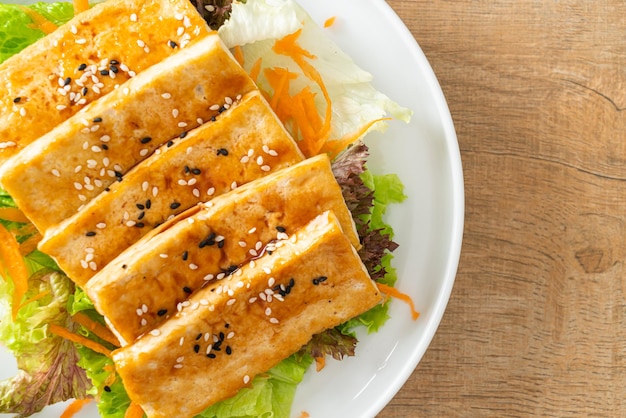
[78, 186]
[132, 74]
[176, 366]
[85, 131]
[182, 182]
[246, 379]
[252, 230]
[242, 244]
[220, 276]
[250, 153]
[268, 311]
[155, 191]
[81, 102]
[191, 182]
[55, 172]
[180, 30]
[193, 266]
[262, 296]
[265, 168]
[166, 95]
[181, 341]
[78, 168]
[200, 121]
[89, 187]
[84, 264]
[101, 225]
[233, 185]
[105, 138]
[73, 29]
[244, 159]
[133, 17]
[182, 124]
[139, 312]
[82, 198]
[252, 264]
[196, 192]
[98, 182]
[271, 282]
[140, 43]
[81, 41]
[124, 68]
[163, 255]
[144, 186]
[93, 266]
[96, 89]
[253, 253]
[96, 148]
[61, 107]
[208, 277]
[273, 153]
[231, 301]
[211, 191]
[175, 113]
[214, 107]
[62, 91]
[274, 320]
[126, 90]
[189, 150]
[252, 299]
[146, 49]
[186, 22]
[144, 152]
[131, 223]
[144, 322]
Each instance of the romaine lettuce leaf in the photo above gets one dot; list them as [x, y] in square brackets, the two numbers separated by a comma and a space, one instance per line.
[17, 30]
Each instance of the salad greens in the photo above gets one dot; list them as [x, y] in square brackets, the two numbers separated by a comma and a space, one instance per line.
[53, 369]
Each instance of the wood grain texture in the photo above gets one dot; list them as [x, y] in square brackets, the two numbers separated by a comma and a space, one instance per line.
[536, 322]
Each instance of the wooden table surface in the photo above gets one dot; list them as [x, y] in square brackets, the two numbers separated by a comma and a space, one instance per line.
[536, 322]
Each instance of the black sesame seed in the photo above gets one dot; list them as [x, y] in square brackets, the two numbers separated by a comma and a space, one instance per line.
[162, 312]
[17, 100]
[141, 215]
[107, 388]
[217, 346]
[208, 241]
[97, 119]
[185, 255]
[187, 169]
[211, 355]
[105, 147]
[187, 290]
[281, 229]
[170, 143]
[213, 118]
[229, 350]
[91, 234]
[222, 336]
[198, 336]
[172, 44]
[146, 139]
[174, 205]
[107, 189]
[82, 67]
[222, 151]
[196, 348]
[67, 81]
[226, 325]
[84, 91]
[124, 266]
[104, 72]
[114, 62]
[222, 109]
[148, 204]
[196, 171]
[292, 282]
[114, 69]
[319, 280]
[183, 134]
[231, 269]
[139, 225]
[140, 206]
[221, 244]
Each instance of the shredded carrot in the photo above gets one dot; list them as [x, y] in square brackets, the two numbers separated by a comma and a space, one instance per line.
[134, 411]
[304, 414]
[98, 329]
[334, 147]
[256, 69]
[238, 54]
[330, 21]
[79, 339]
[12, 264]
[74, 407]
[320, 362]
[279, 79]
[80, 6]
[13, 215]
[39, 22]
[36, 297]
[393, 292]
[30, 244]
[310, 145]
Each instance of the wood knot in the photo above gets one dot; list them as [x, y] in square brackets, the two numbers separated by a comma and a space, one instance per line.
[591, 260]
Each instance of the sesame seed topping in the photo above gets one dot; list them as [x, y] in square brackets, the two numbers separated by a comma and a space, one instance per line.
[274, 320]
[246, 379]
[101, 225]
[133, 17]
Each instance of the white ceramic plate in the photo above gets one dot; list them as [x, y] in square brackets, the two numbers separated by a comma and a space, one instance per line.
[429, 225]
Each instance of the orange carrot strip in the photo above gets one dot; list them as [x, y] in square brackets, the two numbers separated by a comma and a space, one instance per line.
[74, 407]
[80, 6]
[256, 69]
[13, 264]
[13, 215]
[288, 46]
[393, 292]
[334, 147]
[35, 298]
[39, 22]
[134, 411]
[238, 54]
[95, 327]
[330, 21]
[280, 78]
[30, 244]
[320, 362]
[304, 414]
[79, 339]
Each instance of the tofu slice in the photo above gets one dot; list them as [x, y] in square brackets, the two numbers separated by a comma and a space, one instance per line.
[210, 242]
[244, 143]
[64, 169]
[45, 84]
[233, 329]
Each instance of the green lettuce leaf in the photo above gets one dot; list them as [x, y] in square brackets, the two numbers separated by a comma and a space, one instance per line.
[47, 364]
[17, 30]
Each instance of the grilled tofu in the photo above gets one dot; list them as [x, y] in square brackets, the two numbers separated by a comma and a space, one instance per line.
[233, 329]
[57, 174]
[244, 143]
[211, 242]
[86, 58]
